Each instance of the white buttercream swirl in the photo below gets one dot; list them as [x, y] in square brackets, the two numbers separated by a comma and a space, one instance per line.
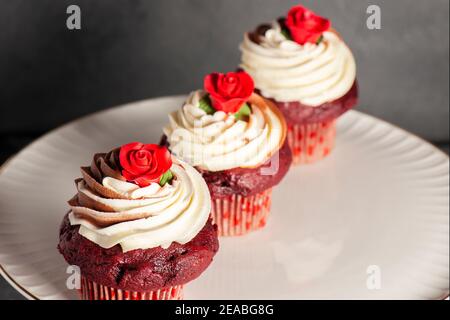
[178, 211]
[219, 142]
[287, 71]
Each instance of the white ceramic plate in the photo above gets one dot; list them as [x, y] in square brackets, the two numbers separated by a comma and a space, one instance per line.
[370, 221]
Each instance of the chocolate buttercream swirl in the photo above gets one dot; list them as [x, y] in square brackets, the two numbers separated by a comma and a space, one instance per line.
[111, 210]
[104, 165]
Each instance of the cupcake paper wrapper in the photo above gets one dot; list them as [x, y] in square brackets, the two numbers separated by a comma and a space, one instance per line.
[311, 142]
[237, 215]
[91, 290]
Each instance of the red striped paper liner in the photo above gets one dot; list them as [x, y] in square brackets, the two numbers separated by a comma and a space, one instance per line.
[237, 215]
[91, 290]
[311, 142]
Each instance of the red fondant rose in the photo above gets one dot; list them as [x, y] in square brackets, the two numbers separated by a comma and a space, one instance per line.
[305, 26]
[144, 163]
[228, 92]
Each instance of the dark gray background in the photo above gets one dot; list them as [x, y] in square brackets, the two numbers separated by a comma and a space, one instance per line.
[130, 50]
[133, 49]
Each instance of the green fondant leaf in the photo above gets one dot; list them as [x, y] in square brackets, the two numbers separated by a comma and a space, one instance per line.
[286, 34]
[243, 112]
[206, 105]
[320, 39]
[165, 178]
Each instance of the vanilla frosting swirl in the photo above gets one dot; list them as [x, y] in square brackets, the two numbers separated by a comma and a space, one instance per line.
[287, 71]
[112, 211]
[219, 141]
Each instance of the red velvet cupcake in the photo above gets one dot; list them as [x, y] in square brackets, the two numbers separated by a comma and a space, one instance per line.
[306, 69]
[139, 226]
[236, 140]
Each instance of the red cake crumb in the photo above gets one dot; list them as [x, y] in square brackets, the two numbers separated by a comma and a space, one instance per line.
[247, 182]
[298, 113]
[139, 270]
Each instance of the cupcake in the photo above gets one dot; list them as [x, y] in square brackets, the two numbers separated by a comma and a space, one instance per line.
[139, 227]
[237, 140]
[303, 66]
